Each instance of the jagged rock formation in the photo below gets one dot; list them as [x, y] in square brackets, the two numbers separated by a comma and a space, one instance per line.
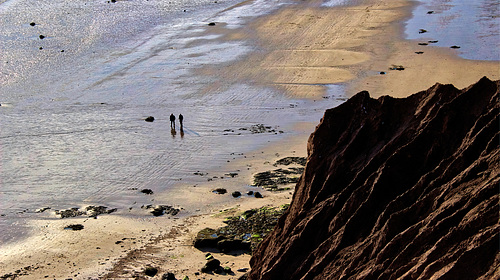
[395, 189]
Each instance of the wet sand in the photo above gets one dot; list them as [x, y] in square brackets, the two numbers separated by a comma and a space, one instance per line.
[301, 49]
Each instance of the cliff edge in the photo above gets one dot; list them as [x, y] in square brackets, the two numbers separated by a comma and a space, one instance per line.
[395, 189]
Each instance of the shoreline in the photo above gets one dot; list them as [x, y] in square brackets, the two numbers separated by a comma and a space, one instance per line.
[291, 68]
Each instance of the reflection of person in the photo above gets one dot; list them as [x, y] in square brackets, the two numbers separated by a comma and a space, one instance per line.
[181, 118]
[172, 121]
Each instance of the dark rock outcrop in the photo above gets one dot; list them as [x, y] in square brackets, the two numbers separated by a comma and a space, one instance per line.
[395, 189]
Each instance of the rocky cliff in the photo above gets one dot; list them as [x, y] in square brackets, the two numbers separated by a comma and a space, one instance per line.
[395, 189]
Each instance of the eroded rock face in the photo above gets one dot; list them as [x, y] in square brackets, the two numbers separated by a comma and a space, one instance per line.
[395, 189]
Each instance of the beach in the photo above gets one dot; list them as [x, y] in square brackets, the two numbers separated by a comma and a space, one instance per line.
[303, 57]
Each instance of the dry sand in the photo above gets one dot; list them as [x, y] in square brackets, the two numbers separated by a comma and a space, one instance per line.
[301, 48]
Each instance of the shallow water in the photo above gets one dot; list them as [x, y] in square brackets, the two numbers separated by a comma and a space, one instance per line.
[72, 129]
[474, 26]
[72, 123]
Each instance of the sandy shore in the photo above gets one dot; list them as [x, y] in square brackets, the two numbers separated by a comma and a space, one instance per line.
[302, 48]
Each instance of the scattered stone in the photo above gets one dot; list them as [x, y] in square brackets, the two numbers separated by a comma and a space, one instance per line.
[150, 271]
[211, 24]
[272, 179]
[169, 276]
[227, 270]
[41, 37]
[419, 52]
[430, 12]
[242, 233]
[41, 210]
[422, 31]
[150, 119]
[147, 191]
[423, 44]
[32, 24]
[382, 73]
[291, 160]
[160, 210]
[433, 41]
[455, 47]
[397, 67]
[70, 213]
[74, 227]
[207, 237]
[210, 266]
[236, 194]
[250, 193]
[232, 174]
[258, 195]
[94, 211]
[220, 191]
[260, 128]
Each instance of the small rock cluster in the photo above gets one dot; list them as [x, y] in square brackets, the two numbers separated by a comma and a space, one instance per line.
[273, 179]
[159, 210]
[90, 211]
[236, 194]
[243, 232]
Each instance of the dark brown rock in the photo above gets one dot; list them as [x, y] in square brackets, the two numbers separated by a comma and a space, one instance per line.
[211, 266]
[395, 189]
[150, 271]
[236, 194]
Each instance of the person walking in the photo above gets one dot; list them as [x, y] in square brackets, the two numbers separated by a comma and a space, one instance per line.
[172, 121]
[181, 118]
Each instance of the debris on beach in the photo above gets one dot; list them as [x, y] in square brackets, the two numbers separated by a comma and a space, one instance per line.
[291, 160]
[147, 191]
[90, 211]
[150, 119]
[236, 194]
[243, 232]
[272, 179]
[160, 210]
[397, 67]
[254, 129]
[41, 210]
[150, 271]
[219, 191]
[74, 227]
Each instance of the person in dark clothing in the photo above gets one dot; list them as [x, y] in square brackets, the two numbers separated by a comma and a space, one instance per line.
[181, 118]
[172, 121]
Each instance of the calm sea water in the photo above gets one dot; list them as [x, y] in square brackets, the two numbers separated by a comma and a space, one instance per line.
[473, 25]
[73, 104]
